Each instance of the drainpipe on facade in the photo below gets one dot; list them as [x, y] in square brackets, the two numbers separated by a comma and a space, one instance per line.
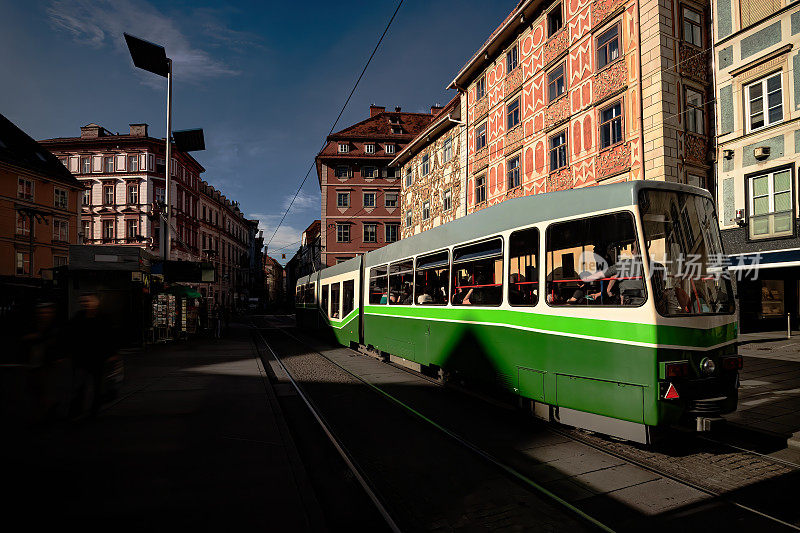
[641, 90]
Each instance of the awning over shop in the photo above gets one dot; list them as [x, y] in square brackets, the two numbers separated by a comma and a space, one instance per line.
[184, 291]
[759, 260]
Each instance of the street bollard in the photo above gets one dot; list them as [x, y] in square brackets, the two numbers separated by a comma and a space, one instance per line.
[788, 325]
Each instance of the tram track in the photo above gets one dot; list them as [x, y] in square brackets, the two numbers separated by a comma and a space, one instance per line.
[622, 451]
[364, 478]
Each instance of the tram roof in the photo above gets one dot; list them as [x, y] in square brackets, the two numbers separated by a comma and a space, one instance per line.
[521, 211]
[510, 214]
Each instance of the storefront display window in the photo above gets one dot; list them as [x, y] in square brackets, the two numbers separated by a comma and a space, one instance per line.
[772, 298]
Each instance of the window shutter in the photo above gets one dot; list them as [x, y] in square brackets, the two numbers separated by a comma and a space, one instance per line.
[121, 162]
[97, 163]
[754, 10]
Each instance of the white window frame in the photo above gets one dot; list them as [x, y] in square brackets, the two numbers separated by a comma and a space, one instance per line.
[373, 232]
[344, 148]
[389, 148]
[425, 165]
[59, 193]
[409, 179]
[447, 150]
[60, 230]
[369, 148]
[23, 183]
[426, 210]
[25, 227]
[135, 188]
[764, 97]
[481, 127]
[447, 200]
[409, 218]
[133, 163]
[771, 198]
[369, 172]
[337, 172]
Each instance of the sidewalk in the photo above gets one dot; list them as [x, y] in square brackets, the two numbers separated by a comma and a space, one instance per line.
[195, 440]
[769, 397]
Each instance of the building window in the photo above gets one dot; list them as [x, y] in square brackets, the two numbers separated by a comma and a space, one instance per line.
[397, 130]
[512, 172]
[342, 172]
[108, 231]
[424, 166]
[408, 218]
[771, 210]
[447, 200]
[611, 125]
[391, 172]
[370, 233]
[554, 21]
[161, 165]
[60, 260]
[764, 102]
[131, 229]
[87, 197]
[390, 199]
[480, 137]
[480, 189]
[158, 197]
[342, 232]
[692, 27]
[87, 230]
[133, 163]
[133, 193]
[558, 151]
[391, 232]
[447, 150]
[86, 164]
[342, 199]
[694, 111]
[426, 210]
[108, 194]
[24, 189]
[60, 230]
[108, 164]
[61, 198]
[608, 47]
[369, 199]
[369, 148]
[752, 11]
[23, 263]
[389, 148]
[556, 82]
[23, 224]
[480, 88]
[512, 59]
[512, 114]
[369, 172]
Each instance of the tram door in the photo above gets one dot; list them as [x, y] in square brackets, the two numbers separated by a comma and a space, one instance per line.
[362, 299]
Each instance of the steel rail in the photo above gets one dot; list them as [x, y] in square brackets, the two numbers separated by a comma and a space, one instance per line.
[470, 446]
[764, 456]
[345, 455]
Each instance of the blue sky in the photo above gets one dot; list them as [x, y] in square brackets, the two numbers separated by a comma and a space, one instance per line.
[265, 80]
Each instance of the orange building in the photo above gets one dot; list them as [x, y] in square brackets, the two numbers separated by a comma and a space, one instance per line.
[38, 206]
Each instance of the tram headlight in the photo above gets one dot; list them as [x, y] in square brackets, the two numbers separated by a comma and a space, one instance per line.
[707, 367]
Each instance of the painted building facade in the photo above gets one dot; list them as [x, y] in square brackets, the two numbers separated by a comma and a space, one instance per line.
[575, 93]
[433, 169]
[758, 94]
[38, 207]
[360, 189]
[123, 180]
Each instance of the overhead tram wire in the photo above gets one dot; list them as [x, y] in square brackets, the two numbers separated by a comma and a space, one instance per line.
[338, 117]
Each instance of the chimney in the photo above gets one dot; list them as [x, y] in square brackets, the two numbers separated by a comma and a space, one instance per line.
[435, 108]
[397, 109]
[92, 131]
[138, 130]
[374, 110]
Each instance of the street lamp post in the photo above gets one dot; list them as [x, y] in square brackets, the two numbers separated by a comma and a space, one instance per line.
[153, 58]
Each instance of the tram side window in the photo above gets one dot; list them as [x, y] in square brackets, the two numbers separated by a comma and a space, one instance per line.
[335, 290]
[298, 295]
[378, 285]
[431, 279]
[348, 297]
[325, 299]
[523, 267]
[401, 283]
[594, 261]
[311, 297]
[478, 273]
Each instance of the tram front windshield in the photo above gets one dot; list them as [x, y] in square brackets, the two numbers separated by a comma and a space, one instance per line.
[687, 263]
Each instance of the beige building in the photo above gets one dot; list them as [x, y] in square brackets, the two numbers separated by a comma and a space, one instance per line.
[757, 69]
[433, 168]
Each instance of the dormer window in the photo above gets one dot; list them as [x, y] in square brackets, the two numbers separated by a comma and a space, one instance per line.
[389, 148]
[344, 148]
[394, 120]
[397, 130]
[369, 148]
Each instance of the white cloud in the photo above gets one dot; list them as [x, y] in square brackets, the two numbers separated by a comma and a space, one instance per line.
[286, 240]
[102, 23]
[303, 201]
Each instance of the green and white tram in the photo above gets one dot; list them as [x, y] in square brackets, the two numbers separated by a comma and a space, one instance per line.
[606, 308]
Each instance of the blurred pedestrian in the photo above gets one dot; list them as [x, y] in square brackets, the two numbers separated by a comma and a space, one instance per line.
[92, 344]
[216, 319]
[44, 349]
